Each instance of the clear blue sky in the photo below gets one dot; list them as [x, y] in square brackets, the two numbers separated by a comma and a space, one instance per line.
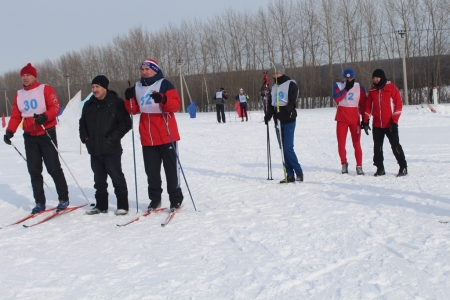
[32, 31]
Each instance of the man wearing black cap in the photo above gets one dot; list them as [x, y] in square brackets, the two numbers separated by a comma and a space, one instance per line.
[37, 105]
[104, 121]
[220, 97]
[384, 103]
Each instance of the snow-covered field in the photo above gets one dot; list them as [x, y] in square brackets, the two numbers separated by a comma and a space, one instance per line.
[333, 236]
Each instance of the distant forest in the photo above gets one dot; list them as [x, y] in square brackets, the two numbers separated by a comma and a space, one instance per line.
[314, 39]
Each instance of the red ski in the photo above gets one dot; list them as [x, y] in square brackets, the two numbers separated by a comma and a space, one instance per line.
[170, 216]
[30, 216]
[147, 213]
[56, 213]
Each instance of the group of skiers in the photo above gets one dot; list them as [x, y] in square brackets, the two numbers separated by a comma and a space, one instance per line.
[384, 104]
[105, 119]
[241, 98]
[354, 109]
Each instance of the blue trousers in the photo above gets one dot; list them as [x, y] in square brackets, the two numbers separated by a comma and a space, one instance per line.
[290, 158]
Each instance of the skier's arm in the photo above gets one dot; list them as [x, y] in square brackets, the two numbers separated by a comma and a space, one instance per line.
[338, 94]
[82, 126]
[398, 105]
[16, 117]
[362, 101]
[123, 123]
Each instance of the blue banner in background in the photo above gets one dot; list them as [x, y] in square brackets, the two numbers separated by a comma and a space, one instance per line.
[192, 110]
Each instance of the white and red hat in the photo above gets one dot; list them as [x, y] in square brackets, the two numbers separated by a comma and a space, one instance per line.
[151, 63]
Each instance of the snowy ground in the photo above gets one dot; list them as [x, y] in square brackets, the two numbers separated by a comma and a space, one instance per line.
[333, 236]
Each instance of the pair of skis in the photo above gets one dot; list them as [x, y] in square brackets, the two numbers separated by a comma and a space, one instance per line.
[70, 209]
[51, 216]
[147, 213]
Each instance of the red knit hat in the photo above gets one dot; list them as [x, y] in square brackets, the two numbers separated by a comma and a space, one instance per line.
[151, 63]
[28, 69]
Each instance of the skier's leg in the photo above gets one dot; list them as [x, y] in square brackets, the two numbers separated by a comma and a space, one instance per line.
[341, 134]
[355, 131]
[34, 165]
[172, 170]
[152, 165]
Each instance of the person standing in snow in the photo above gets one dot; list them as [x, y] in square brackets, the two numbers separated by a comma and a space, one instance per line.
[157, 100]
[284, 95]
[242, 98]
[220, 97]
[104, 122]
[350, 98]
[384, 103]
[38, 106]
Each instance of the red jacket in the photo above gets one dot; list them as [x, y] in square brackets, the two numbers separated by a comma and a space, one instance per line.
[384, 105]
[52, 111]
[152, 127]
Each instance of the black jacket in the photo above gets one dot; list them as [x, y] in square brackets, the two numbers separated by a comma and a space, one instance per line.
[103, 123]
[287, 113]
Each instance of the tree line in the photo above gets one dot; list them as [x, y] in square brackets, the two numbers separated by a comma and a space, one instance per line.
[314, 39]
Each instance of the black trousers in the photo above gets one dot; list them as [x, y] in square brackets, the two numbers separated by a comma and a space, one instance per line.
[220, 108]
[243, 106]
[108, 164]
[38, 149]
[378, 139]
[153, 156]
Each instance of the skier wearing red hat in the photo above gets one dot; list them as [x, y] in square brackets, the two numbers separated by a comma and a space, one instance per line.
[38, 106]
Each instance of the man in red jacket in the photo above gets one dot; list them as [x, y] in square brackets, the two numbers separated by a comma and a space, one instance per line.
[37, 104]
[350, 99]
[385, 104]
[157, 100]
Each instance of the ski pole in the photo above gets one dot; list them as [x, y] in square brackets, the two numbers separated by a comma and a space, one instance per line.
[134, 151]
[42, 179]
[176, 154]
[269, 156]
[278, 128]
[56, 148]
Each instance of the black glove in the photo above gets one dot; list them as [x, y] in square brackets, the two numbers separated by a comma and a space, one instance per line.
[159, 98]
[40, 119]
[266, 120]
[366, 127]
[8, 136]
[349, 85]
[393, 125]
[130, 93]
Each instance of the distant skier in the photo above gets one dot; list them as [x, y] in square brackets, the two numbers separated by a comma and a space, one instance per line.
[157, 100]
[287, 101]
[37, 104]
[350, 98]
[104, 122]
[242, 98]
[384, 103]
[220, 97]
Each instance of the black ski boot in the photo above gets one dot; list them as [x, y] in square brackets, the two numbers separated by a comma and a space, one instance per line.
[402, 172]
[289, 179]
[379, 172]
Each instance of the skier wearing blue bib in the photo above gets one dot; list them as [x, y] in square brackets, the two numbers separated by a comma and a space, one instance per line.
[286, 100]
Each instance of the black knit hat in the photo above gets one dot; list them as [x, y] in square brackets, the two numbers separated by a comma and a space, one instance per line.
[378, 73]
[101, 80]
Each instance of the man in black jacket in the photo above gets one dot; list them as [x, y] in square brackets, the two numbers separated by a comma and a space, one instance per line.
[104, 121]
[282, 105]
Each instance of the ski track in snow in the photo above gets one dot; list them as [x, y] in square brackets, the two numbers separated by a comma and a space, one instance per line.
[333, 236]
